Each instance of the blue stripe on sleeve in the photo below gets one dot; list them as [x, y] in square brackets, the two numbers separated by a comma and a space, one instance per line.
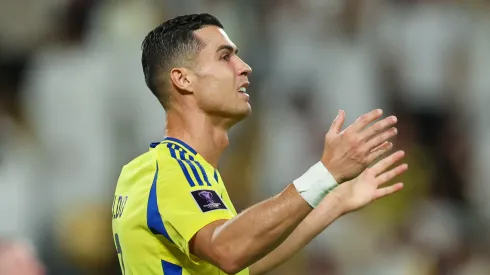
[172, 151]
[216, 176]
[182, 154]
[181, 164]
[203, 173]
[171, 269]
[153, 218]
[186, 173]
[196, 174]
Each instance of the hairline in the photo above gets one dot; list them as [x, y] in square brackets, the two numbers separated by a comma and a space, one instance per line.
[186, 58]
[185, 54]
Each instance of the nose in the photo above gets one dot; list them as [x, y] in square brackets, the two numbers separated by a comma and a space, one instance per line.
[245, 69]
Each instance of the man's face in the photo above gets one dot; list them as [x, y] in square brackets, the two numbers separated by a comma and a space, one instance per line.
[221, 76]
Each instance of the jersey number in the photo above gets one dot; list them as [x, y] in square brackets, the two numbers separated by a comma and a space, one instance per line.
[119, 252]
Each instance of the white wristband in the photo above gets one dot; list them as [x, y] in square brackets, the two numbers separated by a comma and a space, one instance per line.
[315, 184]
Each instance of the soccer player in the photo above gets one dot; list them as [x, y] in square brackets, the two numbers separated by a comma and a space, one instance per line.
[171, 212]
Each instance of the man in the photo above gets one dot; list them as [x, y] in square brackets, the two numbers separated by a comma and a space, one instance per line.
[171, 211]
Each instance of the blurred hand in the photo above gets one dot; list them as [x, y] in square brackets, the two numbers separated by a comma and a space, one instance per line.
[365, 188]
[17, 259]
[347, 153]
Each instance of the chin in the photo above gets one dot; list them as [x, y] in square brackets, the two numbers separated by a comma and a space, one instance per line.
[239, 114]
[242, 114]
[246, 111]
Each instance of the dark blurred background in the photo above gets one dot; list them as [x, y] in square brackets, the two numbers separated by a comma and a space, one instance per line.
[74, 108]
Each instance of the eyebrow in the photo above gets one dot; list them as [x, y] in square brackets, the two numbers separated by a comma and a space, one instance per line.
[227, 47]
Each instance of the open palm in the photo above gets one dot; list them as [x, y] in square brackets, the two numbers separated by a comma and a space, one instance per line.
[366, 187]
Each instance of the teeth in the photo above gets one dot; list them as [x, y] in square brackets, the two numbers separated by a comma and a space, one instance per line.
[242, 90]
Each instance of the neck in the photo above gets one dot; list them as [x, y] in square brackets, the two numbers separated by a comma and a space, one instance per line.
[203, 133]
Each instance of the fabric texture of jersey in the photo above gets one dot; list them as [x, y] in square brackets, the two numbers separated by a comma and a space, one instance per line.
[162, 199]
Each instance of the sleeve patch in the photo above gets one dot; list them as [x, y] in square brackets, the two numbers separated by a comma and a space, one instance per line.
[208, 200]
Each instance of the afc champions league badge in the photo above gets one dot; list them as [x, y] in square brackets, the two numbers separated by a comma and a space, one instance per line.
[208, 200]
[208, 196]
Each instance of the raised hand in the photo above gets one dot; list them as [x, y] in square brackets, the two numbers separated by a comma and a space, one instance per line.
[347, 153]
[366, 187]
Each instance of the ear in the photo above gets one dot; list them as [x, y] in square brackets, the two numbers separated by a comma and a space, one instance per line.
[182, 79]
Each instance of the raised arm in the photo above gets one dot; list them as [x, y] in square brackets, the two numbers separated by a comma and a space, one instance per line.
[237, 243]
[345, 198]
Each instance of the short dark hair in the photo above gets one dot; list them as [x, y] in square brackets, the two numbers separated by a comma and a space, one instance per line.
[171, 44]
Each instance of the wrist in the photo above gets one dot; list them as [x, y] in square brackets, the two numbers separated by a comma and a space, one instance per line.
[315, 184]
[339, 178]
[338, 202]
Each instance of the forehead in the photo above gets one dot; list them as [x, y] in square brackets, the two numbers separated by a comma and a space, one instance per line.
[213, 37]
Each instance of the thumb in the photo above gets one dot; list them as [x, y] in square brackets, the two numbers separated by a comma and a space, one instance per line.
[338, 122]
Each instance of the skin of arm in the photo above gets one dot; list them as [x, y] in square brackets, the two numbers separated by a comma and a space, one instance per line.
[238, 243]
[346, 198]
[318, 219]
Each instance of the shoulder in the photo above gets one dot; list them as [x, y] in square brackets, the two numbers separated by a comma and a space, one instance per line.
[158, 154]
[170, 171]
[166, 162]
[156, 161]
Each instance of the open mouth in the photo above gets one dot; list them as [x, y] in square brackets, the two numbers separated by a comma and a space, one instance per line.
[242, 90]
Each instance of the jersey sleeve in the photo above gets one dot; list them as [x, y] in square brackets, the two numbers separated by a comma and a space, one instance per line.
[188, 204]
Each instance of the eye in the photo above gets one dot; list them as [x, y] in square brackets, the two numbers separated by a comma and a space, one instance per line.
[226, 57]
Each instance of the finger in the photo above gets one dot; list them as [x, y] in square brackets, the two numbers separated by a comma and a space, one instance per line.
[383, 145]
[387, 176]
[385, 163]
[378, 127]
[338, 122]
[365, 119]
[379, 151]
[381, 138]
[385, 191]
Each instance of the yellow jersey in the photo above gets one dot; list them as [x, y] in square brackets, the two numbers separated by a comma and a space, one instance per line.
[162, 199]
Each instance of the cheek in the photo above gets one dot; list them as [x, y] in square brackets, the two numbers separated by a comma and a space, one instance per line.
[209, 93]
[216, 82]
[222, 78]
